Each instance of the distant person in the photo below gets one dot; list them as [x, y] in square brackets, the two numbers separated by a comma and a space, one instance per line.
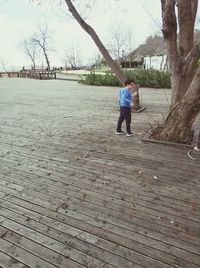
[125, 102]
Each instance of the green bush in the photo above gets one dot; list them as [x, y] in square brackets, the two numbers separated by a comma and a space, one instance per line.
[101, 79]
[150, 78]
[145, 78]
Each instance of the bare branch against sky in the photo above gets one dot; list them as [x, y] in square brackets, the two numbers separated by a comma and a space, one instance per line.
[19, 20]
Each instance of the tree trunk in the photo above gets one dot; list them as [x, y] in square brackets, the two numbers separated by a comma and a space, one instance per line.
[186, 18]
[180, 82]
[113, 65]
[33, 65]
[177, 127]
[185, 79]
[136, 101]
[47, 60]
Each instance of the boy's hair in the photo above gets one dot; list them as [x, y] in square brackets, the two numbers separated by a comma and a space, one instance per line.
[128, 82]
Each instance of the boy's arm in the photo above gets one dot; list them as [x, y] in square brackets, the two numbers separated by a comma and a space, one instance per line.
[127, 96]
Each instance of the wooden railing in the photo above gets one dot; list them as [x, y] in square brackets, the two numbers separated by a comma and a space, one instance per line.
[9, 74]
[35, 74]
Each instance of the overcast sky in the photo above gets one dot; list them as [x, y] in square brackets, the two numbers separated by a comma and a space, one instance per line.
[19, 19]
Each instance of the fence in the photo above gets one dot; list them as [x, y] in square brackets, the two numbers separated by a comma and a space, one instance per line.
[9, 74]
[34, 74]
[37, 74]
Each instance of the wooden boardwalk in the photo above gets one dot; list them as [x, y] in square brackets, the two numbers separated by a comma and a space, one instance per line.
[74, 195]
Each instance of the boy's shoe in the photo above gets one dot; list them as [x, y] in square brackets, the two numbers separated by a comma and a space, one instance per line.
[129, 134]
[119, 132]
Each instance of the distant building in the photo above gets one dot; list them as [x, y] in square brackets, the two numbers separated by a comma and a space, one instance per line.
[159, 62]
[136, 63]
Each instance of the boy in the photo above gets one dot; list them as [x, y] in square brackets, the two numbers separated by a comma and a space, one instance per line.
[125, 102]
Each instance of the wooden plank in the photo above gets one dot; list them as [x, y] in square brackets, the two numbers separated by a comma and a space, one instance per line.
[56, 256]
[84, 185]
[44, 163]
[129, 197]
[98, 181]
[93, 197]
[126, 242]
[23, 255]
[7, 261]
[42, 230]
[45, 243]
[160, 224]
[172, 212]
[56, 202]
[146, 232]
[168, 168]
[168, 172]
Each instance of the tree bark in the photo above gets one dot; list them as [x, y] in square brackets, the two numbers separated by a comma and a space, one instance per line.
[47, 60]
[185, 79]
[180, 79]
[185, 19]
[113, 65]
[170, 35]
[180, 119]
[30, 50]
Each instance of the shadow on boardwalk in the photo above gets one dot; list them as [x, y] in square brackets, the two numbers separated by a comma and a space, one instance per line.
[72, 194]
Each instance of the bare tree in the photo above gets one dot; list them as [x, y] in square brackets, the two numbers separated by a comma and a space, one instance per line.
[3, 65]
[153, 45]
[130, 46]
[73, 56]
[30, 50]
[112, 64]
[85, 8]
[184, 54]
[119, 42]
[42, 40]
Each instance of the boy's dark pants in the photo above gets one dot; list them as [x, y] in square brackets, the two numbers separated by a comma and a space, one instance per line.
[125, 114]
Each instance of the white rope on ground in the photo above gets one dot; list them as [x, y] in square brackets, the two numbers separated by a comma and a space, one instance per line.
[189, 153]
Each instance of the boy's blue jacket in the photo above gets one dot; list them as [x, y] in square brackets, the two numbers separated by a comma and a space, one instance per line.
[125, 97]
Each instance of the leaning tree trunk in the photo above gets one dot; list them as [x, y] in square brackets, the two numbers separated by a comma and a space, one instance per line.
[113, 65]
[183, 57]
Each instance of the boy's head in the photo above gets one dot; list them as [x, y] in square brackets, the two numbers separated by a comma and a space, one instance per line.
[129, 83]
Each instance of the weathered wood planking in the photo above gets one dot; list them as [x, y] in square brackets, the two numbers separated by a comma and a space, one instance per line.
[72, 194]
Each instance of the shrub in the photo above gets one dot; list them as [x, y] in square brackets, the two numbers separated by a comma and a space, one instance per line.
[150, 78]
[101, 80]
[145, 78]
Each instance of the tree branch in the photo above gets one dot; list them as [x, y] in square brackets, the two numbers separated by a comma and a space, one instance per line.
[194, 91]
[194, 7]
[170, 29]
[192, 58]
[114, 67]
[186, 17]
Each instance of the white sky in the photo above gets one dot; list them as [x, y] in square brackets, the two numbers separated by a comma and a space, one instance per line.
[19, 19]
